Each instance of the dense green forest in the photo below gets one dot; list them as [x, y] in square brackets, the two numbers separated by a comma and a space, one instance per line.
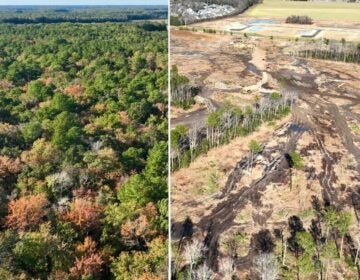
[80, 14]
[83, 151]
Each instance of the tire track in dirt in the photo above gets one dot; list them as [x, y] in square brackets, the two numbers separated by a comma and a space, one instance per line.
[322, 112]
[223, 215]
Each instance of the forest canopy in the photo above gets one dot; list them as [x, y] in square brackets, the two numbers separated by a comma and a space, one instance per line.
[80, 14]
[83, 150]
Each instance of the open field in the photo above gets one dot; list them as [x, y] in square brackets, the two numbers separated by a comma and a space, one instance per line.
[333, 21]
[316, 10]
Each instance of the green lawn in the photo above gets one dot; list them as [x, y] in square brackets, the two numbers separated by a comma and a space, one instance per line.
[316, 10]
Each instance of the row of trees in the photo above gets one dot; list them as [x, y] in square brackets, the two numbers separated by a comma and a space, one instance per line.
[28, 15]
[330, 50]
[83, 151]
[225, 124]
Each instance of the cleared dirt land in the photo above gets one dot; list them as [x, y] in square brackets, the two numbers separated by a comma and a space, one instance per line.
[323, 128]
[214, 62]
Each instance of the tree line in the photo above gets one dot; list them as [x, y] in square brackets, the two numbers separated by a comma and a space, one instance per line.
[225, 124]
[29, 15]
[329, 50]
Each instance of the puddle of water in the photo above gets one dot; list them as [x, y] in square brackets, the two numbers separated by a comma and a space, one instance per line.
[252, 68]
[296, 128]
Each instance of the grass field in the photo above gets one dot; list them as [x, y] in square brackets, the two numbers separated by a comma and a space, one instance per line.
[316, 10]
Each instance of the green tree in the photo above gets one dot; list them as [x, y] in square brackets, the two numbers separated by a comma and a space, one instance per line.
[61, 102]
[140, 111]
[176, 135]
[297, 160]
[342, 224]
[213, 123]
[255, 148]
[32, 253]
[133, 158]
[138, 62]
[32, 131]
[22, 72]
[43, 157]
[66, 131]
[136, 265]
[330, 217]
[39, 91]
[156, 164]
[306, 260]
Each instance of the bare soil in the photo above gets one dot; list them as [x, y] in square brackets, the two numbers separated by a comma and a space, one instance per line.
[322, 128]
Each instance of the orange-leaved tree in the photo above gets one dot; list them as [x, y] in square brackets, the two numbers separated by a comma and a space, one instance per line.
[27, 212]
[84, 213]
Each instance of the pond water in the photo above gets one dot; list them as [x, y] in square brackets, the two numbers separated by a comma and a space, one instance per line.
[261, 21]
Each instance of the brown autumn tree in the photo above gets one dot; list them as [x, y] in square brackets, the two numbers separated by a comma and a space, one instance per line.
[88, 262]
[88, 247]
[9, 166]
[141, 226]
[89, 265]
[84, 213]
[27, 212]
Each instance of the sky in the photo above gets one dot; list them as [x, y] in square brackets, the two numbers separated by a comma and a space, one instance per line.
[83, 2]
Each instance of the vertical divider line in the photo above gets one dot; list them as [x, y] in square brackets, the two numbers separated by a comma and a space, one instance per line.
[169, 148]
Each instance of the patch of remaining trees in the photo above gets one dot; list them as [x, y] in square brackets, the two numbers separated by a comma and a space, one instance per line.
[329, 50]
[299, 19]
[314, 252]
[182, 93]
[194, 267]
[225, 124]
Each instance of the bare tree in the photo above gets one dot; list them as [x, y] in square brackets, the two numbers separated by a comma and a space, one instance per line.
[60, 183]
[227, 268]
[265, 266]
[192, 253]
[204, 273]
[193, 135]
